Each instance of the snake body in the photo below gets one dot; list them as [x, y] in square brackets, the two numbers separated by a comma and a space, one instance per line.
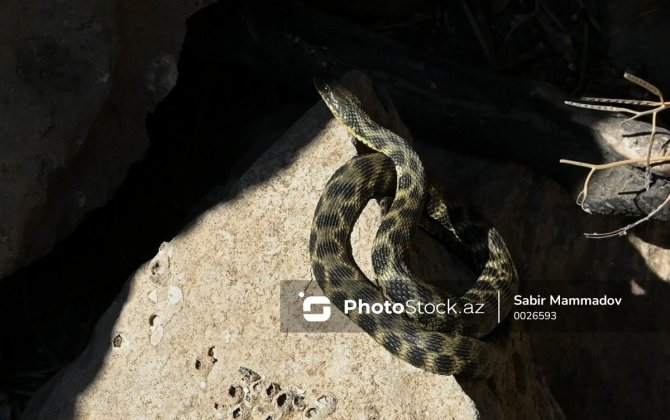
[448, 344]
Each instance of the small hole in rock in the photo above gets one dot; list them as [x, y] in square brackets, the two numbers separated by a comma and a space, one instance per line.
[298, 402]
[272, 389]
[155, 267]
[210, 353]
[310, 412]
[256, 387]
[232, 391]
[237, 413]
[152, 319]
[248, 374]
[117, 341]
[198, 364]
[216, 406]
[281, 400]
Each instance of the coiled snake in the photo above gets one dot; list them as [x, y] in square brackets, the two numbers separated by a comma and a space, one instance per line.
[448, 344]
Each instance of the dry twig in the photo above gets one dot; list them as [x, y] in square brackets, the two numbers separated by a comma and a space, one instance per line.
[657, 106]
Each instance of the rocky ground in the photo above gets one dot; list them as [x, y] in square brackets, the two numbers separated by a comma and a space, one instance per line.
[89, 195]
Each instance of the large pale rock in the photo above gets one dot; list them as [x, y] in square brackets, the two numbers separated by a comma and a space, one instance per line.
[196, 332]
[77, 80]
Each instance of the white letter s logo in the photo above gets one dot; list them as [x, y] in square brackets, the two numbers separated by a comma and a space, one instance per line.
[316, 300]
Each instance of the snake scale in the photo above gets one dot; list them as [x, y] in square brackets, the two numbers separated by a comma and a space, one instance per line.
[449, 344]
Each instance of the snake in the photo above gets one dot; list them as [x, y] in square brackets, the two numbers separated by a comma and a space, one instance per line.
[451, 343]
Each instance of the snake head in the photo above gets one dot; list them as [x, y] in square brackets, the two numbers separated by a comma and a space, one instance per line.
[340, 100]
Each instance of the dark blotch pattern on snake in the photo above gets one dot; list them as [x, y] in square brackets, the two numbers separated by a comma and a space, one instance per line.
[449, 344]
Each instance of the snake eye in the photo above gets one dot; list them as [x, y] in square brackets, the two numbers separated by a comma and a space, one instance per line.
[322, 86]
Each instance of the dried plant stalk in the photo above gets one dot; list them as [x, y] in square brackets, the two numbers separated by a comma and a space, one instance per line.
[597, 104]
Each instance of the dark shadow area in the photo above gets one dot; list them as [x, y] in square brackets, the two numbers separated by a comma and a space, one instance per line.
[610, 364]
[477, 77]
[598, 362]
[219, 118]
